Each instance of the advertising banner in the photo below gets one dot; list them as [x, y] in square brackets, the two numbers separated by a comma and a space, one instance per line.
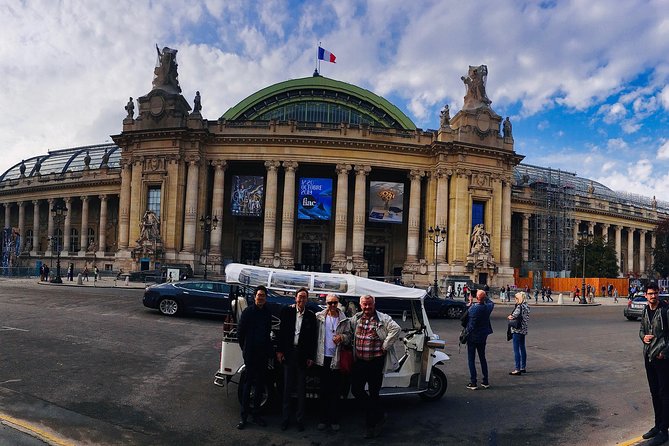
[247, 196]
[315, 199]
[386, 202]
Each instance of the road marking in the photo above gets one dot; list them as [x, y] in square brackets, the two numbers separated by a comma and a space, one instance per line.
[632, 442]
[12, 328]
[11, 381]
[33, 430]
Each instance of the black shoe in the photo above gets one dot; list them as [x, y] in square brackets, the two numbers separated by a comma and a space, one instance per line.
[523, 371]
[651, 433]
[660, 438]
[515, 373]
[241, 425]
[284, 425]
[259, 421]
[300, 426]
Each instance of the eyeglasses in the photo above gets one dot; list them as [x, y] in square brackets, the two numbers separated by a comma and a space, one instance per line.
[332, 303]
[652, 294]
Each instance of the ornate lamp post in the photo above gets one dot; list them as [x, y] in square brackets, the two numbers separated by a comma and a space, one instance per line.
[58, 213]
[207, 224]
[585, 237]
[436, 236]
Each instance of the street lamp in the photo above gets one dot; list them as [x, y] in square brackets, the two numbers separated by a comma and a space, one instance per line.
[58, 213]
[436, 236]
[207, 224]
[585, 237]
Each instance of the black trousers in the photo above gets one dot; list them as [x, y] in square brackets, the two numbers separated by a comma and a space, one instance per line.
[657, 372]
[370, 373]
[256, 377]
[294, 380]
[330, 392]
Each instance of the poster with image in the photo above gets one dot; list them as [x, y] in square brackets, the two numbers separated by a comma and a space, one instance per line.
[386, 202]
[314, 199]
[247, 195]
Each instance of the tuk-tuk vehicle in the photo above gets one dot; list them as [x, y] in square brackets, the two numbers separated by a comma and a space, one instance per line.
[415, 356]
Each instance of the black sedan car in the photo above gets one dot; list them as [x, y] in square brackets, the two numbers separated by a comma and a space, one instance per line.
[206, 296]
[435, 307]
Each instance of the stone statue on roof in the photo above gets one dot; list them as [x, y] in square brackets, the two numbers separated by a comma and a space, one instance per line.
[197, 103]
[475, 81]
[444, 117]
[506, 128]
[166, 76]
[130, 108]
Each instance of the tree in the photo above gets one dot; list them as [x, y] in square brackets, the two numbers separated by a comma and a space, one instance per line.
[600, 259]
[661, 250]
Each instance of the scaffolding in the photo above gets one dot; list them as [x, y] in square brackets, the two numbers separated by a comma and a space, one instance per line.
[552, 227]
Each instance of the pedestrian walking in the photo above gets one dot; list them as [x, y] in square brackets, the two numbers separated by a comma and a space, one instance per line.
[296, 352]
[478, 329]
[86, 273]
[373, 334]
[254, 335]
[96, 272]
[548, 295]
[536, 295]
[653, 333]
[334, 333]
[518, 320]
[615, 295]
[543, 294]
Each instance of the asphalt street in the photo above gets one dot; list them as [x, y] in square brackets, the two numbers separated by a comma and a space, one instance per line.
[92, 366]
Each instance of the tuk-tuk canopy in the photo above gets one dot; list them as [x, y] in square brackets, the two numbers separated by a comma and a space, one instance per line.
[317, 283]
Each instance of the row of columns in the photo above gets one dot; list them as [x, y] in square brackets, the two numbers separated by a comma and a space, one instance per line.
[605, 235]
[67, 225]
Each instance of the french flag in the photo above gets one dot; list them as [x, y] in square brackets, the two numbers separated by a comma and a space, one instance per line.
[326, 55]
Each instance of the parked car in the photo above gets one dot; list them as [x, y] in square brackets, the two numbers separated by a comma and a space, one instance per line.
[151, 275]
[205, 296]
[635, 306]
[434, 307]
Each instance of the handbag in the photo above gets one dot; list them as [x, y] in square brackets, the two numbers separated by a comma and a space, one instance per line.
[517, 323]
[464, 334]
[346, 360]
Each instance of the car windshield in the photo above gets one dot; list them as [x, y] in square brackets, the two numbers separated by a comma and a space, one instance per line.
[641, 299]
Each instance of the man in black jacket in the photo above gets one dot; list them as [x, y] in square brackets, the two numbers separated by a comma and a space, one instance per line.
[253, 332]
[298, 334]
[653, 334]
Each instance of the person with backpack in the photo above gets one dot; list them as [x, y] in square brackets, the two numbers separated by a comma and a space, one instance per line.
[654, 332]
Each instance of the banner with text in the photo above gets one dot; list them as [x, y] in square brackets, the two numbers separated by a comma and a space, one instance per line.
[315, 199]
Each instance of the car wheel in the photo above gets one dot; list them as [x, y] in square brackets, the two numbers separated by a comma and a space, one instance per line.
[436, 387]
[454, 312]
[169, 307]
[630, 318]
[265, 399]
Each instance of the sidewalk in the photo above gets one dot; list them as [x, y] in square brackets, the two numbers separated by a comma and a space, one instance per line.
[106, 282]
[567, 301]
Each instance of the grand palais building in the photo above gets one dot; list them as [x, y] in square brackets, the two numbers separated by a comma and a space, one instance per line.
[313, 174]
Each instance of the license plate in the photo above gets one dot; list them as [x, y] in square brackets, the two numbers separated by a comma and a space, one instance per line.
[637, 306]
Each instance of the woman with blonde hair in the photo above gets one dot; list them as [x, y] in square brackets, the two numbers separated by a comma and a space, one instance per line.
[518, 324]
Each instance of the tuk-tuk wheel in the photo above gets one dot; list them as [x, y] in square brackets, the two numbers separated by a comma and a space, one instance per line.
[265, 400]
[436, 387]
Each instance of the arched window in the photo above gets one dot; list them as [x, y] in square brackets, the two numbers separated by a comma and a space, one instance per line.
[29, 242]
[57, 241]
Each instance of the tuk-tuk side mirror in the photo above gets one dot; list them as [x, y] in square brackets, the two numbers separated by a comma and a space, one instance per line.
[404, 316]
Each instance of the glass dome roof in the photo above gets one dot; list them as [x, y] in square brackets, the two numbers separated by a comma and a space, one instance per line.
[65, 160]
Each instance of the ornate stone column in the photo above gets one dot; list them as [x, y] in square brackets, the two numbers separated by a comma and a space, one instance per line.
[288, 217]
[191, 219]
[102, 229]
[505, 253]
[269, 227]
[8, 214]
[124, 206]
[413, 231]
[50, 227]
[83, 236]
[630, 250]
[441, 211]
[618, 230]
[359, 208]
[652, 248]
[341, 218]
[36, 238]
[605, 232]
[22, 225]
[591, 227]
[67, 228]
[577, 223]
[526, 237]
[642, 251]
[217, 206]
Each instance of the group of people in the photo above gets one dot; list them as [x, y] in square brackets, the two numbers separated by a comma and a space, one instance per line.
[477, 328]
[324, 340]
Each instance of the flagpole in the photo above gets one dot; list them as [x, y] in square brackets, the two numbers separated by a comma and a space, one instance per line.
[317, 58]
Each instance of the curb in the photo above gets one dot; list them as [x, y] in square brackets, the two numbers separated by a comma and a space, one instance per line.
[33, 431]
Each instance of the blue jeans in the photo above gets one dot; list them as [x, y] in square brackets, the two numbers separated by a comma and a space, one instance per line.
[519, 353]
[472, 349]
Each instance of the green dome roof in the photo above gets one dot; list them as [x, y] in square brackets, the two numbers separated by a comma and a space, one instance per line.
[319, 99]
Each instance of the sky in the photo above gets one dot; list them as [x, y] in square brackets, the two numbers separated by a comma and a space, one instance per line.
[584, 82]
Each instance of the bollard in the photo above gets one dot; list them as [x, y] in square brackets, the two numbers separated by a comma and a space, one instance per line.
[80, 280]
[560, 299]
[127, 280]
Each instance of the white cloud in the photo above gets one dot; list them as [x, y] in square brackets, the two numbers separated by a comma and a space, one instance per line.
[663, 151]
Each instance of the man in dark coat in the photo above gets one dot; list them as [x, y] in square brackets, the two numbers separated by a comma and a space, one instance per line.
[253, 331]
[298, 334]
[478, 327]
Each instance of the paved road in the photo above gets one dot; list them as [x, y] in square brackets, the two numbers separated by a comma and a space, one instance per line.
[92, 366]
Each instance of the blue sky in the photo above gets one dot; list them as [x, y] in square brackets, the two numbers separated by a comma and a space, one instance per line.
[584, 82]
